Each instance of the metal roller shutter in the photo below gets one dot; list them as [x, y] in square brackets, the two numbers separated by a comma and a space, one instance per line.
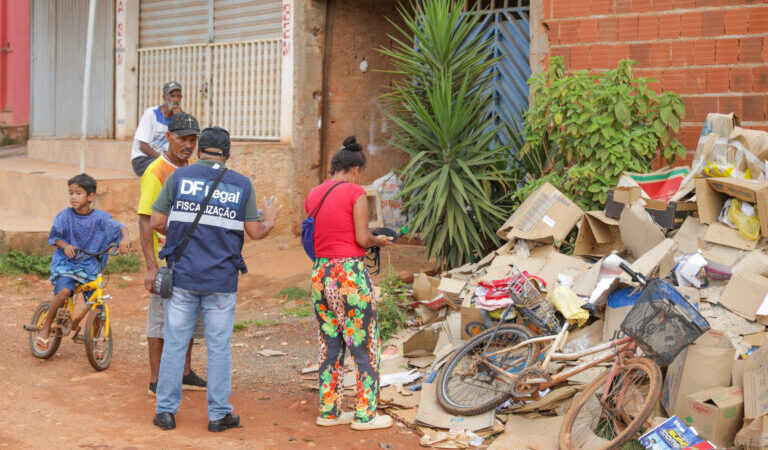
[240, 20]
[173, 22]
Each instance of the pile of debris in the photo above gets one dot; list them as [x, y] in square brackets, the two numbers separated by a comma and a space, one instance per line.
[703, 229]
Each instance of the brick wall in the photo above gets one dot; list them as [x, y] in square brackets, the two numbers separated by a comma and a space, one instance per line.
[714, 53]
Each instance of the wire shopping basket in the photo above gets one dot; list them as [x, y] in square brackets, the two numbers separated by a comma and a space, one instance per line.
[531, 302]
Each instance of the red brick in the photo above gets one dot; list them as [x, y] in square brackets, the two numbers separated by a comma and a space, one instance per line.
[547, 9]
[648, 28]
[729, 105]
[685, 3]
[561, 8]
[760, 79]
[688, 103]
[653, 75]
[618, 52]
[623, 6]
[588, 30]
[640, 53]
[642, 5]
[569, 32]
[628, 28]
[736, 21]
[741, 79]
[713, 23]
[703, 52]
[669, 26]
[701, 107]
[674, 80]
[753, 108]
[750, 49]
[705, 3]
[765, 50]
[600, 57]
[660, 52]
[718, 79]
[690, 24]
[553, 32]
[565, 52]
[682, 53]
[695, 81]
[600, 6]
[758, 20]
[660, 5]
[727, 51]
[579, 58]
[691, 133]
[607, 29]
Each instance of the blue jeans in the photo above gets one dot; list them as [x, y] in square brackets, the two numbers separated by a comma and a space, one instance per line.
[218, 311]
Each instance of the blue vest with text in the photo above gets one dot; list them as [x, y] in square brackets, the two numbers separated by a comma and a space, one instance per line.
[212, 259]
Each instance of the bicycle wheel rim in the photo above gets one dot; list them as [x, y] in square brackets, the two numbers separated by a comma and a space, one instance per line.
[467, 385]
[600, 420]
[98, 344]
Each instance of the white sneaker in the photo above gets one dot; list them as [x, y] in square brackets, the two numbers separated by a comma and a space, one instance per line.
[377, 423]
[345, 419]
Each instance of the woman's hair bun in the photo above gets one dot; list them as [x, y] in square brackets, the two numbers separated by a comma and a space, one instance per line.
[352, 145]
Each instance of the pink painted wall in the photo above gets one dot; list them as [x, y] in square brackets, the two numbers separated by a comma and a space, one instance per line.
[14, 59]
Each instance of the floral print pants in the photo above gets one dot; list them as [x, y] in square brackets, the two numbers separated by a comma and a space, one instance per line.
[346, 314]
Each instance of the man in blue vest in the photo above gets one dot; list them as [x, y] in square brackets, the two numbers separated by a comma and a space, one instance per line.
[205, 275]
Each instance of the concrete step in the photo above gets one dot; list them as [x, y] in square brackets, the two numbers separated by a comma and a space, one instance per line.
[101, 153]
[38, 189]
[23, 232]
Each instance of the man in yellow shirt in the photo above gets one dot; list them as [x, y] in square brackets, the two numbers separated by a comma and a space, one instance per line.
[183, 130]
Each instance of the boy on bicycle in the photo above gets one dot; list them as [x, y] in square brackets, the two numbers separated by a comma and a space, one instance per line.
[81, 227]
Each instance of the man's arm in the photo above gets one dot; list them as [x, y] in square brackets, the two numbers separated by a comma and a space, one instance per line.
[159, 222]
[260, 229]
[148, 250]
[162, 207]
[149, 151]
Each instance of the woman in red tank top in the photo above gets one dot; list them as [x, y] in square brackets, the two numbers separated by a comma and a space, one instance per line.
[342, 292]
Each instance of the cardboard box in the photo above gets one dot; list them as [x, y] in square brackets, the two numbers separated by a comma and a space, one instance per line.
[716, 414]
[658, 260]
[756, 384]
[451, 288]
[472, 322]
[422, 343]
[754, 435]
[599, 235]
[690, 236]
[705, 364]
[639, 232]
[711, 194]
[744, 294]
[668, 215]
[546, 215]
[620, 302]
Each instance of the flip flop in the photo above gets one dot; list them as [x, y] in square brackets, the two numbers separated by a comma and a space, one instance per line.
[42, 343]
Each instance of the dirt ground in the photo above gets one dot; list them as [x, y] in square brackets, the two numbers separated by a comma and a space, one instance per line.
[64, 403]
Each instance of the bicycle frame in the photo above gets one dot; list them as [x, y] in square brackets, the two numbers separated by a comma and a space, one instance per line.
[622, 347]
[96, 300]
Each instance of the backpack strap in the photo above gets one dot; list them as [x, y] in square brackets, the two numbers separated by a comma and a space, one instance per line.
[317, 208]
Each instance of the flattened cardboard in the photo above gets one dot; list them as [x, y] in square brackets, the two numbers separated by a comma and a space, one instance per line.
[754, 262]
[689, 235]
[451, 288]
[724, 235]
[705, 364]
[546, 215]
[558, 263]
[744, 294]
[737, 374]
[756, 384]
[431, 414]
[716, 414]
[425, 287]
[754, 435]
[711, 194]
[658, 260]
[639, 232]
[422, 343]
[472, 322]
[598, 236]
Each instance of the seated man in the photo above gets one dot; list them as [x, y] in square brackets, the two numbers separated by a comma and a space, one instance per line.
[149, 142]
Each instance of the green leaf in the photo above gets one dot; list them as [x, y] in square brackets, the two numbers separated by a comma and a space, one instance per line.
[622, 112]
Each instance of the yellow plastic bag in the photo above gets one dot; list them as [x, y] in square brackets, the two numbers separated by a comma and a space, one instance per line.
[569, 304]
[748, 225]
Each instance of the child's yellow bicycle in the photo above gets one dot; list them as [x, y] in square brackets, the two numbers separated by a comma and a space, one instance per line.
[97, 334]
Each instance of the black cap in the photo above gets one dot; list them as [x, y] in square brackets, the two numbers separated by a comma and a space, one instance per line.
[184, 124]
[214, 137]
[170, 87]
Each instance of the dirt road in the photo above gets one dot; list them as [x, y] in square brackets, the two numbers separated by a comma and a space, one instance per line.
[64, 403]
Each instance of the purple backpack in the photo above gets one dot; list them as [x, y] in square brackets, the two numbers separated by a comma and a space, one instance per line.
[308, 226]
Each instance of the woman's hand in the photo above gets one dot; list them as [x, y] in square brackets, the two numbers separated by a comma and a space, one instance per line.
[383, 241]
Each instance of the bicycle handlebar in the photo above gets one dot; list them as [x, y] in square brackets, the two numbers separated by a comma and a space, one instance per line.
[636, 277]
[111, 250]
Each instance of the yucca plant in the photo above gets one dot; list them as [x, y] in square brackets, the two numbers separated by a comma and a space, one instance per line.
[442, 111]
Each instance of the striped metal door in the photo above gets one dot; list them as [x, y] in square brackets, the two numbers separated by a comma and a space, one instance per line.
[57, 67]
[507, 22]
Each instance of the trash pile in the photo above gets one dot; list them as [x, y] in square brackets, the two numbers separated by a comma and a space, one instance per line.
[702, 229]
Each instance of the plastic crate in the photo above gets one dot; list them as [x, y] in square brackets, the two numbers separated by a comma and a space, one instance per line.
[663, 323]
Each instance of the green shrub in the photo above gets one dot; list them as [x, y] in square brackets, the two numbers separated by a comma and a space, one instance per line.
[393, 298]
[130, 263]
[19, 262]
[583, 130]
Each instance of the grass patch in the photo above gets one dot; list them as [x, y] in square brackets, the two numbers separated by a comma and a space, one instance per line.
[293, 293]
[302, 309]
[130, 263]
[241, 325]
[18, 262]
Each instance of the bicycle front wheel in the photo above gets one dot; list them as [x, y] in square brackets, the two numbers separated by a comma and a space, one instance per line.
[612, 410]
[54, 336]
[467, 385]
[98, 340]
